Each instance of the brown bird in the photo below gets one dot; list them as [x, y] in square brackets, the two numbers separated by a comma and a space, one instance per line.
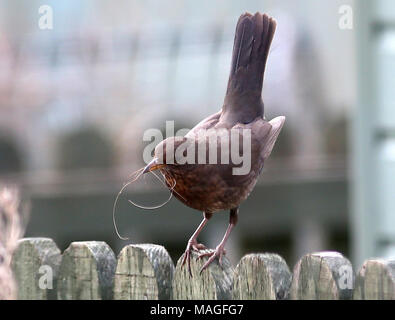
[212, 186]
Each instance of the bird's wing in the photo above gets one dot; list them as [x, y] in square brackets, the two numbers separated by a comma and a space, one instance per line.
[263, 136]
[205, 124]
[276, 126]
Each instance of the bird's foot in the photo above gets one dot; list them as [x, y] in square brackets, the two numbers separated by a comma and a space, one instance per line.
[218, 252]
[195, 246]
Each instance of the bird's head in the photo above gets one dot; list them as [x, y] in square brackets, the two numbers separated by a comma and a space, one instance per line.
[165, 154]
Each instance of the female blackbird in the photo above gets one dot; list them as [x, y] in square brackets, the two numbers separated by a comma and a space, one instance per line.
[211, 186]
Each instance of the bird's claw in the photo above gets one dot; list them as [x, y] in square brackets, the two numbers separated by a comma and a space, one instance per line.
[218, 252]
[198, 246]
[187, 258]
[195, 246]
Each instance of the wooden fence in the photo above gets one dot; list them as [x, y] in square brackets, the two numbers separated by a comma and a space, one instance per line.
[90, 270]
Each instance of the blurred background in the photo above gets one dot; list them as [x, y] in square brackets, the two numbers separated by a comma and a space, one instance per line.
[76, 99]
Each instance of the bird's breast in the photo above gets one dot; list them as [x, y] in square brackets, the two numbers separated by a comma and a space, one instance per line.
[202, 187]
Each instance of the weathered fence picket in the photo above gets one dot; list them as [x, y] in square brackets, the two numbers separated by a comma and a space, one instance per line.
[375, 280]
[144, 272]
[35, 266]
[261, 277]
[87, 271]
[90, 270]
[215, 283]
[322, 276]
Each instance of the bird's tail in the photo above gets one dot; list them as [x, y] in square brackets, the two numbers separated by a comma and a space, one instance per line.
[253, 37]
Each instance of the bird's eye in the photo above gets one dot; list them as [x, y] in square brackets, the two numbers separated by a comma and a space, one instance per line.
[247, 122]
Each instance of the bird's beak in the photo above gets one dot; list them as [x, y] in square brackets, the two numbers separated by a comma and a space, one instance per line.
[153, 165]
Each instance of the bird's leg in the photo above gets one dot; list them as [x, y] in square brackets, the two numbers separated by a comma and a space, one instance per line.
[192, 242]
[220, 250]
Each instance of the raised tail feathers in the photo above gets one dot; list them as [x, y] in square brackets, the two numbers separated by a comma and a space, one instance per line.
[253, 37]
